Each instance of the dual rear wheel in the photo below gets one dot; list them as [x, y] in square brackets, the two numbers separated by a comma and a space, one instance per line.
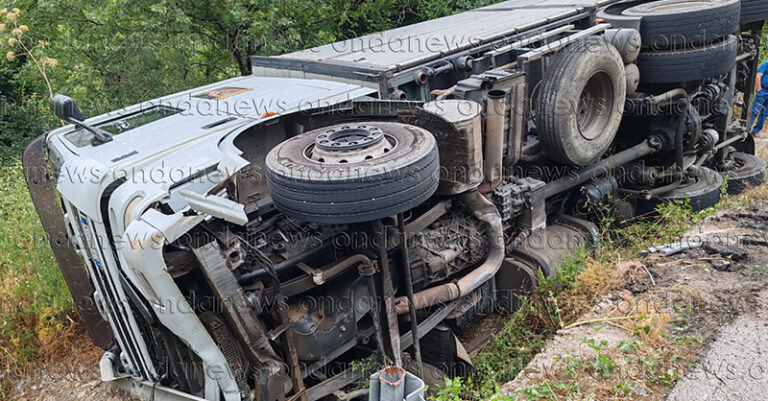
[704, 189]
[682, 40]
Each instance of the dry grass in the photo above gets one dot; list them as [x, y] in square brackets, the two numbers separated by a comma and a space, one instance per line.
[641, 361]
[656, 353]
[595, 280]
[38, 323]
[37, 320]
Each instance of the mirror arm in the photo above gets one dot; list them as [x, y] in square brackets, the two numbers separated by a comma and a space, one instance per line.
[99, 136]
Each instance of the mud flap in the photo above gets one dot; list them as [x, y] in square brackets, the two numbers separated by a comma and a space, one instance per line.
[48, 208]
[746, 146]
[443, 350]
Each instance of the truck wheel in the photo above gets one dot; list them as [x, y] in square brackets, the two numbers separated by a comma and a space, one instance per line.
[699, 192]
[748, 171]
[580, 102]
[674, 66]
[672, 23]
[351, 173]
[753, 11]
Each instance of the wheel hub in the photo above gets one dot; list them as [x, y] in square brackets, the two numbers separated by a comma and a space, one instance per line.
[349, 137]
[591, 114]
[350, 144]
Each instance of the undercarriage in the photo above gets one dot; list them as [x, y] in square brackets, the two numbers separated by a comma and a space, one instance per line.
[311, 247]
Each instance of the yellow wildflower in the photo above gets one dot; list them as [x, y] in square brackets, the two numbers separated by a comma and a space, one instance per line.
[10, 56]
[16, 31]
[16, 11]
[12, 41]
[52, 62]
[46, 335]
[4, 11]
[2, 27]
[23, 28]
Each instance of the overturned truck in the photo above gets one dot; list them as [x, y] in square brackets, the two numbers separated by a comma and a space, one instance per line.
[365, 203]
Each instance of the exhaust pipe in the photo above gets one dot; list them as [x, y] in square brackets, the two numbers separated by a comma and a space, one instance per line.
[484, 211]
[496, 112]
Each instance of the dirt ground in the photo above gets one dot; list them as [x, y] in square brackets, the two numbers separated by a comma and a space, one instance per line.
[690, 326]
[75, 379]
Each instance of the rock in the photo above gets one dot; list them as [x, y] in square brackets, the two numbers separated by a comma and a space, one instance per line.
[725, 266]
[726, 251]
[754, 241]
[94, 383]
[721, 265]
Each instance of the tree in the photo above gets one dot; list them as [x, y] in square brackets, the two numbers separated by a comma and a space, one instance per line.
[268, 27]
[116, 53]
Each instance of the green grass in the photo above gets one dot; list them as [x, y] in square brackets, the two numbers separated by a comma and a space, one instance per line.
[524, 334]
[579, 283]
[36, 308]
[36, 304]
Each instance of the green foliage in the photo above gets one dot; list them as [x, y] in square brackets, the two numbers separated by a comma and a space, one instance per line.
[19, 124]
[450, 391]
[629, 346]
[459, 390]
[107, 55]
[509, 351]
[266, 27]
[602, 363]
[660, 369]
[763, 46]
[541, 392]
[624, 388]
[438, 8]
[569, 269]
[526, 331]
[364, 368]
[35, 299]
[670, 222]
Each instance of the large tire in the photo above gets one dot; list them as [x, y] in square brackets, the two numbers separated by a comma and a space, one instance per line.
[753, 11]
[580, 102]
[675, 23]
[699, 192]
[402, 177]
[748, 171]
[675, 66]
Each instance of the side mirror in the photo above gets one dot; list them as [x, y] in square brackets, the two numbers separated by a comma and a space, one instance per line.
[65, 108]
